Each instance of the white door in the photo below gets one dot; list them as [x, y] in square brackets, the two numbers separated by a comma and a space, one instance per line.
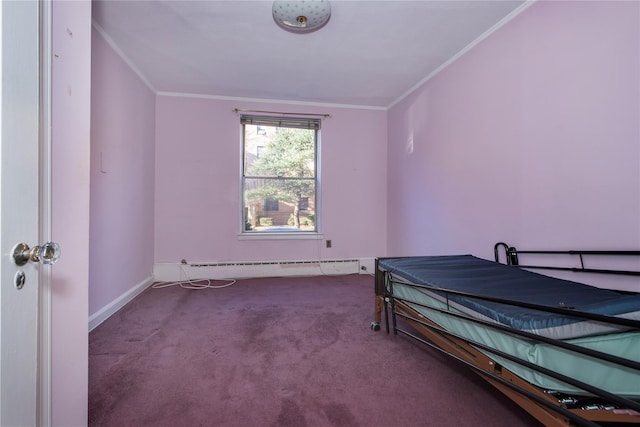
[19, 214]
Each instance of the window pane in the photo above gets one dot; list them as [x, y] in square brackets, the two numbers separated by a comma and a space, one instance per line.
[279, 204]
[272, 151]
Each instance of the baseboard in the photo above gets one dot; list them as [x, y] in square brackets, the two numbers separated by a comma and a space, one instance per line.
[169, 272]
[108, 310]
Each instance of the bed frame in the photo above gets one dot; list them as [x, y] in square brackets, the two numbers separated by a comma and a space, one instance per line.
[549, 407]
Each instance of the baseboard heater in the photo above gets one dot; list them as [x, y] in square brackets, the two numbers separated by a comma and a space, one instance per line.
[250, 269]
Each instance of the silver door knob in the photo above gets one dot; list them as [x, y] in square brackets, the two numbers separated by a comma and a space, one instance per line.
[47, 254]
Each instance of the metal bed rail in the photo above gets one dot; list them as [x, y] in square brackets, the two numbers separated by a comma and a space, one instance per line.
[511, 258]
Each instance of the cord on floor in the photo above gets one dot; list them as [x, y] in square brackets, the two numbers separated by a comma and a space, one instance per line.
[196, 284]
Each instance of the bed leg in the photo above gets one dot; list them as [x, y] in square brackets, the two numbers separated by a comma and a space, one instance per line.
[377, 316]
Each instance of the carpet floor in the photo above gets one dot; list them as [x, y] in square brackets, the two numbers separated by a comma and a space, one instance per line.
[277, 352]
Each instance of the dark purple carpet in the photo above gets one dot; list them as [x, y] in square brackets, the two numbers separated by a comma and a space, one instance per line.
[276, 352]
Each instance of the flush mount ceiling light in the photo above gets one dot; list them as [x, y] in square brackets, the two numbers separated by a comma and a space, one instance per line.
[301, 16]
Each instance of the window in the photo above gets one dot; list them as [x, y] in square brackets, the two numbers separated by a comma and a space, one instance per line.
[279, 174]
[271, 205]
[304, 203]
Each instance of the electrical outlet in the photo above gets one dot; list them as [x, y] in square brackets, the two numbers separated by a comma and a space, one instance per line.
[328, 243]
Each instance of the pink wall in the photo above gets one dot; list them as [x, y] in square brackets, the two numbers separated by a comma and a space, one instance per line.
[70, 98]
[532, 137]
[198, 147]
[122, 177]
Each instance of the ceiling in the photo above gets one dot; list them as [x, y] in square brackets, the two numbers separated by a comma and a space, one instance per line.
[370, 54]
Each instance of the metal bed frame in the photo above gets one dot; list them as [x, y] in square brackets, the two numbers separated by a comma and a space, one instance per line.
[511, 256]
[549, 407]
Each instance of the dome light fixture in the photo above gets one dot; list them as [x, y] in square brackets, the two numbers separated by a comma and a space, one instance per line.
[301, 16]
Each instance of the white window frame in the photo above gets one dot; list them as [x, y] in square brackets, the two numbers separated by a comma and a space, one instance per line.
[281, 235]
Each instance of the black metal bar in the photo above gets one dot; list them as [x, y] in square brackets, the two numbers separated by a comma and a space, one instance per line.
[386, 316]
[578, 252]
[496, 254]
[393, 305]
[511, 258]
[379, 290]
[584, 270]
[385, 302]
[510, 253]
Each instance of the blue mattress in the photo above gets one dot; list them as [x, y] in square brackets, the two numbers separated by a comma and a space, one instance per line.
[466, 273]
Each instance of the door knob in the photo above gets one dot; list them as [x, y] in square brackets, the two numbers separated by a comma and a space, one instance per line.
[47, 254]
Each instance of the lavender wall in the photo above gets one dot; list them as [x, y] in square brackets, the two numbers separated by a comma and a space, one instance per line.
[122, 177]
[532, 138]
[198, 147]
[70, 122]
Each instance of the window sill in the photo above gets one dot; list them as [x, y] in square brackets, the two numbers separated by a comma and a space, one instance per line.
[280, 236]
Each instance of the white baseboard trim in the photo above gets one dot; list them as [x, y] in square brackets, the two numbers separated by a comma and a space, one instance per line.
[170, 272]
[108, 310]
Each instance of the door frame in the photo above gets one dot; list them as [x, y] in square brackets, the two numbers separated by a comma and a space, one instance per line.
[43, 403]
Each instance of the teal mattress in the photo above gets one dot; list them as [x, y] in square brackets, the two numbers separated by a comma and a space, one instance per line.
[618, 380]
